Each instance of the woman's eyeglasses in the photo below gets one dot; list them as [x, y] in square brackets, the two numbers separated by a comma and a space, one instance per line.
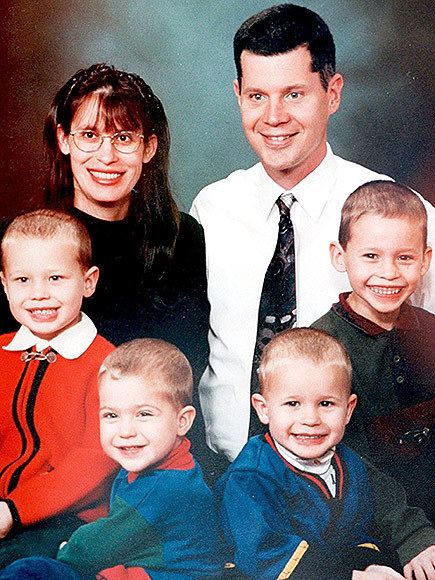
[90, 141]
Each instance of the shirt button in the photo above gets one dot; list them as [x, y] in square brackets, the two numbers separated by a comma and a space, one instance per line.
[400, 379]
[396, 358]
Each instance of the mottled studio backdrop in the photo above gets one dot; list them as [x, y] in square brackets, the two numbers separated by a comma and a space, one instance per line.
[183, 49]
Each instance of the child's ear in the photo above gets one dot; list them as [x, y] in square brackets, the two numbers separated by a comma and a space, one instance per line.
[260, 406]
[62, 140]
[336, 253]
[185, 419]
[351, 404]
[3, 280]
[90, 280]
[427, 257]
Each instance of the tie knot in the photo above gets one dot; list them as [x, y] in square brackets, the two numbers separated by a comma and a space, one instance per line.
[284, 209]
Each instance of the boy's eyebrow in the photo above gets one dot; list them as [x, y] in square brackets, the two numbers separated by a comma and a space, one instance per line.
[298, 396]
[135, 407]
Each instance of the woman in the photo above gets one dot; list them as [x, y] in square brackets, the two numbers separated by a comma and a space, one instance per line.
[107, 138]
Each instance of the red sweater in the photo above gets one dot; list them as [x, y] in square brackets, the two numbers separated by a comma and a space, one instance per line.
[51, 460]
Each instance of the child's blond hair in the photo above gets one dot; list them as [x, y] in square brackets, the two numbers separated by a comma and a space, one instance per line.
[151, 357]
[387, 199]
[308, 343]
[47, 224]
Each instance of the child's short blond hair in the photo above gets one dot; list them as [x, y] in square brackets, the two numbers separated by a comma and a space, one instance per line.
[383, 198]
[48, 223]
[309, 343]
[151, 357]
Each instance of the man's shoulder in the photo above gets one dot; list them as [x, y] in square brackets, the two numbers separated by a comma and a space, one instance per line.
[360, 172]
[349, 175]
[224, 190]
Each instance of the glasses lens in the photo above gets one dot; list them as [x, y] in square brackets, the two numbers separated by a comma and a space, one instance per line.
[87, 140]
[126, 142]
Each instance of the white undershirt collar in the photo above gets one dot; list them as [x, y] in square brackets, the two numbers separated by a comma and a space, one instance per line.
[318, 466]
[321, 466]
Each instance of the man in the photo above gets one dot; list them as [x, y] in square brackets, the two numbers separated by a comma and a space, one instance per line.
[287, 89]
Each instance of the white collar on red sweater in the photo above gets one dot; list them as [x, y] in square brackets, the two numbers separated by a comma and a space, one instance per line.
[70, 344]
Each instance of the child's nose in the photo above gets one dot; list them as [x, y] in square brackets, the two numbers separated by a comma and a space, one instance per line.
[40, 290]
[127, 427]
[310, 416]
[389, 269]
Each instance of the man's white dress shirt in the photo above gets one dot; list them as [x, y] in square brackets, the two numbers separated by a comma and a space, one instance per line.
[240, 220]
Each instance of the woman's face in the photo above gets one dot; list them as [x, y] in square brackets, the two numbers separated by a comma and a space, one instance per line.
[103, 179]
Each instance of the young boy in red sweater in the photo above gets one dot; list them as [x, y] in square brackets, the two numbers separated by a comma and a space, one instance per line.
[53, 472]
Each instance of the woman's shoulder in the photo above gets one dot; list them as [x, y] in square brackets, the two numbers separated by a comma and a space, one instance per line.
[190, 228]
[188, 260]
[190, 242]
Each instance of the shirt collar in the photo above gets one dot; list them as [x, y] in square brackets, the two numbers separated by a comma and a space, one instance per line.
[318, 465]
[268, 192]
[70, 344]
[179, 458]
[312, 193]
[407, 319]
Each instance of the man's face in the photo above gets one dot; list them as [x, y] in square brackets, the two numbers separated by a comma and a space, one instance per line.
[285, 112]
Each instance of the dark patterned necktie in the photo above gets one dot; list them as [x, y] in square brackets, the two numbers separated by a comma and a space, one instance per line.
[277, 310]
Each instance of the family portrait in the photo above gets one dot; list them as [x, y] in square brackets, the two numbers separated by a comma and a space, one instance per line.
[217, 312]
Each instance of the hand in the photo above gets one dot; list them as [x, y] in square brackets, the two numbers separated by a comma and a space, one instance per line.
[422, 567]
[375, 572]
[6, 520]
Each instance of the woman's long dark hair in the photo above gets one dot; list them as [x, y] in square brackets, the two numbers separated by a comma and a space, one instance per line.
[125, 101]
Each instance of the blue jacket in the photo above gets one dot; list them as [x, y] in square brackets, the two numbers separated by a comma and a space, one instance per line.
[279, 520]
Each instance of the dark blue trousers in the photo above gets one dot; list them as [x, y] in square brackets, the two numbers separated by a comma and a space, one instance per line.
[37, 568]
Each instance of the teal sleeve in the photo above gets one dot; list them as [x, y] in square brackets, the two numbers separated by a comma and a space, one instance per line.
[124, 537]
[403, 528]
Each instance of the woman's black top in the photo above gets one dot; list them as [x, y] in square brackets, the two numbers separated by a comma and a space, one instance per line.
[174, 308]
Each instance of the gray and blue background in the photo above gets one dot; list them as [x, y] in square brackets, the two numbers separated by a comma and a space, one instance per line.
[183, 49]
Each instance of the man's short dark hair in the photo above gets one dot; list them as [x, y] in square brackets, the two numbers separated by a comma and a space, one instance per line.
[282, 28]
